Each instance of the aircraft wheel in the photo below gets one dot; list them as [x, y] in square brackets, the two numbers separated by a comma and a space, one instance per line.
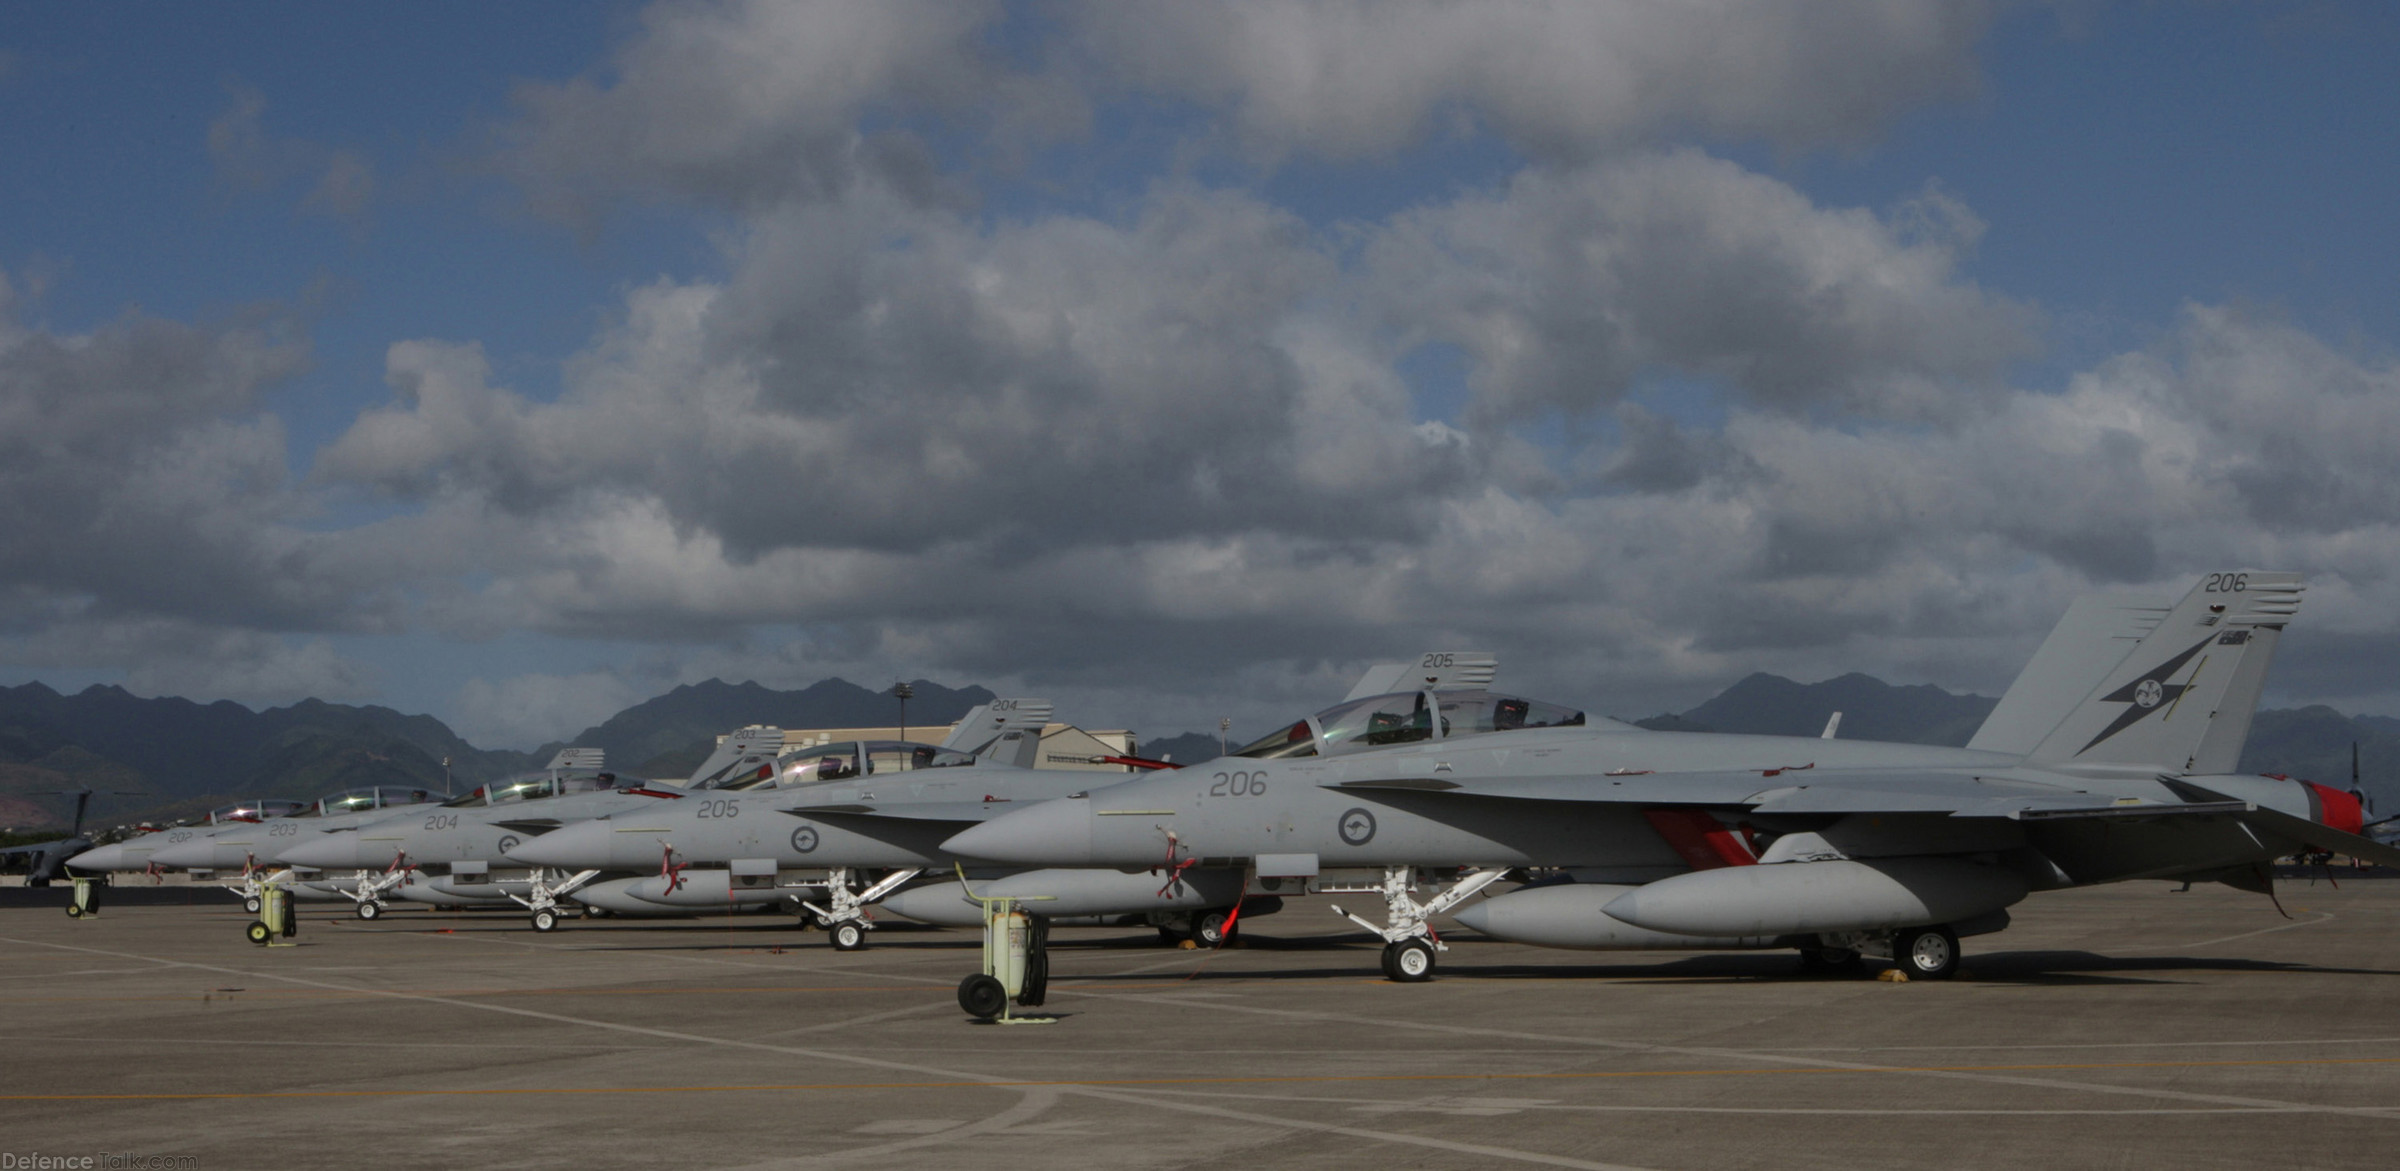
[1409, 961]
[848, 935]
[369, 909]
[1926, 953]
[259, 934]
[983, 996]
[251, 904]
[545, 919]
[1208, 928]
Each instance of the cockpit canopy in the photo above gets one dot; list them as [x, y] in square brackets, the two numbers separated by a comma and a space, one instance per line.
[536, 787]
[369, 797]
[261, 810]
[844, 760]
[1406, 717]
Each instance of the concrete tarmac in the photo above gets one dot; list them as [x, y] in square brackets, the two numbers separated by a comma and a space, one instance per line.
[2125, 1026]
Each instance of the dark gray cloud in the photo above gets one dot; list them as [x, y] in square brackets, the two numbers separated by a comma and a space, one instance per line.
[1563, 80]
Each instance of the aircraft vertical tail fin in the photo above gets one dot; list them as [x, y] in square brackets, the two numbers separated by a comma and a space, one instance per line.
[2097, 632]
[740, 752]
[1008, 731]
[1433, 669]
[2182, 699]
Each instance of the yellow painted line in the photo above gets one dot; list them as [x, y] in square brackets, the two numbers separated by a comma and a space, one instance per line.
[1206, 1081]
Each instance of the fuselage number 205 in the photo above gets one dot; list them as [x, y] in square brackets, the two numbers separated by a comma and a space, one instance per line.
[1241, 784]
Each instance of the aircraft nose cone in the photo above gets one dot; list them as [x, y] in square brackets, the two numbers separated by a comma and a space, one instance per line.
[1053, 833]
[328, 852]
[576, 847]
[103, 858]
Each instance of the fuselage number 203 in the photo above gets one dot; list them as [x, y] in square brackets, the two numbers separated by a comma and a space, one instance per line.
[1242, 784]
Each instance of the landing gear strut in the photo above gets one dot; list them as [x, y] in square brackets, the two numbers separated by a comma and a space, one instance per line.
[542, 898]
[1409, 944]
[848, 910]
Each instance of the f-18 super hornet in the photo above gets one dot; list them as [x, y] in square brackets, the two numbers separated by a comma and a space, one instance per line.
[463, 837]
[1696, 840]
[826, 820]
[471, 837]
[137, 853]
[836, 794]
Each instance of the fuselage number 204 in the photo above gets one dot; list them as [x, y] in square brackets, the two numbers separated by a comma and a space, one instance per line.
[1242, 784]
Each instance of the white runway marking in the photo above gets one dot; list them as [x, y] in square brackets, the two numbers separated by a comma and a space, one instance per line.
[2321, 917]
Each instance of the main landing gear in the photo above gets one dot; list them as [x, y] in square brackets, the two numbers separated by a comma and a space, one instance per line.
[1919, 953]
[1409, 944]
[845, 917]
[542, 898]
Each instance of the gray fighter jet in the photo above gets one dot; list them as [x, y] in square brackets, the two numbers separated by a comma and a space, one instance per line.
[262, 842]
[842, 797]
[1683, 840]
[836, 820]
[469, 839]
[136, 854]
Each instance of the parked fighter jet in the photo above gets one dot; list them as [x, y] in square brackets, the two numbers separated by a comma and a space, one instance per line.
[471, 837]
[741, 825]
[137, 853]
[263, 842]
[47, 862]
[1684, 840]
[826, 812]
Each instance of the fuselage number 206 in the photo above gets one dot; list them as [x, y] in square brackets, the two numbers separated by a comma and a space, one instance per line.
[1241, 784]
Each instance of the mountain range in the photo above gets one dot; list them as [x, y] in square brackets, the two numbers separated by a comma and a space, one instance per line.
[156, 758]
[161, 758]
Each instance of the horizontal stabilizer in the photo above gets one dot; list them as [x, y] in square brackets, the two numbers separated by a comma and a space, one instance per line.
[578, 758]
[2324, 837]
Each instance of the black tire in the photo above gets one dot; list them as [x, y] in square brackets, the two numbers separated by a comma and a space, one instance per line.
[1409, 961]
[1037, 964]
[982, 996]
[251, 904]
[258, 933]
[848, 935]
[1925, 953]
[1208, 928]
[74, 912]
[545, 920]
[370, 909]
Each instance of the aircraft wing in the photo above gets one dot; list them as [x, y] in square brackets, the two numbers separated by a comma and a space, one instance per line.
[1808, 791]
[955, 812]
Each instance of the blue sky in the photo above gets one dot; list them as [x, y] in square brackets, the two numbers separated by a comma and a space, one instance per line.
[1174, 360]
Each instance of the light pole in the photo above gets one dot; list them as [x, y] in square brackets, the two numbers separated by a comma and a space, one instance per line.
[1224, 725]
[903, 692]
